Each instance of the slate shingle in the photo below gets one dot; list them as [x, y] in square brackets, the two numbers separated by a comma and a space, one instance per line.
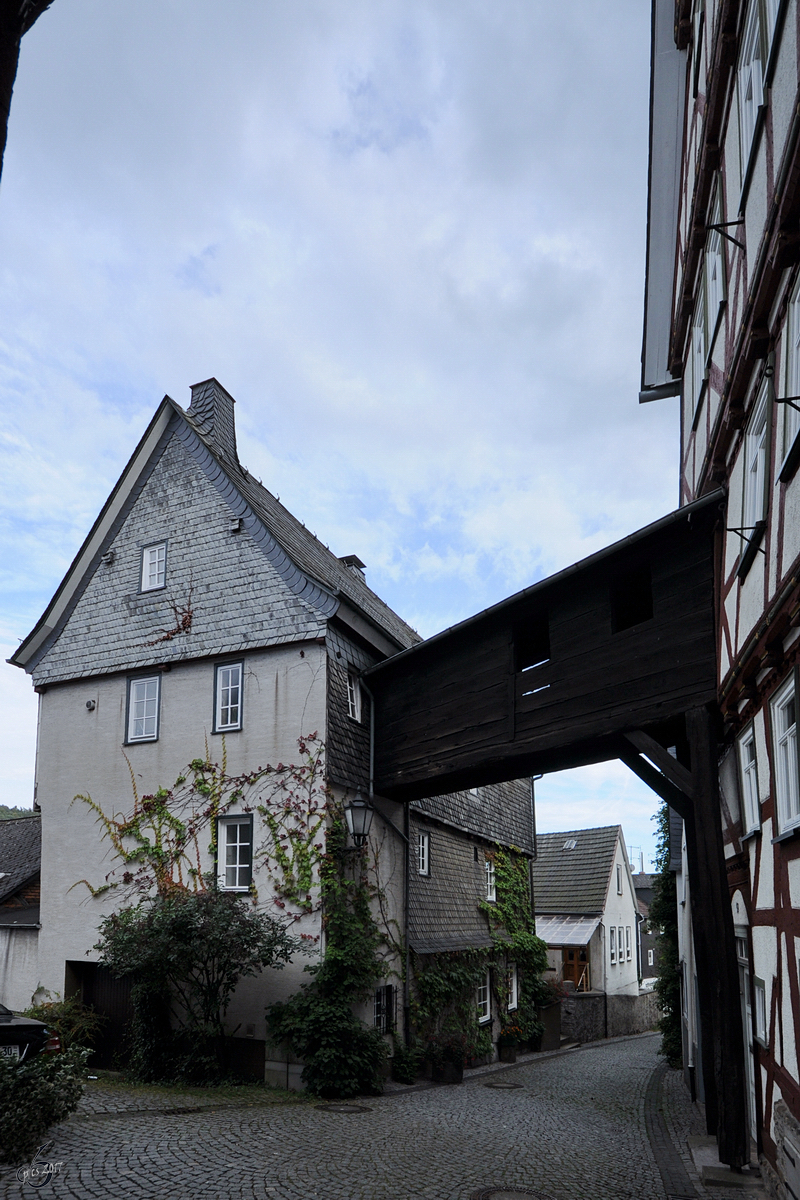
[574, 880]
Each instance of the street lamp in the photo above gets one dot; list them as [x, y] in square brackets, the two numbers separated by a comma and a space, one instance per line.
[358, 814]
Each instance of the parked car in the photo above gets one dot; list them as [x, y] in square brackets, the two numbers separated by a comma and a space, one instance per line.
[23, 1037]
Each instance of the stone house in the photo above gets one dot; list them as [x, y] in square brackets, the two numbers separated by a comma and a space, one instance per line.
[199, 612]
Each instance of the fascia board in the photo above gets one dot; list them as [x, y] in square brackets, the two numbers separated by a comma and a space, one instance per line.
[364, 628]
[49, 620]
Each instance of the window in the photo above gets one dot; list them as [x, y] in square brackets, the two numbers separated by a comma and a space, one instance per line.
[650, 958]
[484, 1000]
[619, 880]
[791, 417]
[612, 945]
[714, 266]
[749, 84]
[698, 346]
[143, 698]
[353, 697]
[424, 853]
[154, 567]
[512, 986]
[628, 943]
[760, 991]
[383, 1008]
[755, 465]
[228, 697]
[235, 853]
[751, 816]
[784, 741]
[491, 888]
[620, 945]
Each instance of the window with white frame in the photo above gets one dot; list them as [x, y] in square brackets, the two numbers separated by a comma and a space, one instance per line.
[791, 416]
[512, 986]
[714, 266]
[783, 708]
[612, 945]
[143, 705]
[228, 697]
[649, 958]
[353, 696]
[750, 80]
[749, 768]
[698, 347]
[154, 567]
[628, 943]
[423, 853]
[491, 886]
[760, 995]
[620, 944]
[235, 853]
[619, 880]
[755, 464]
[484, 1000]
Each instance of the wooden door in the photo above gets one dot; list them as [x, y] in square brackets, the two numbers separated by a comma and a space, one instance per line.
[575, 967]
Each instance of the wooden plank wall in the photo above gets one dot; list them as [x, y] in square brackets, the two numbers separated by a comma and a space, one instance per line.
[460, 709]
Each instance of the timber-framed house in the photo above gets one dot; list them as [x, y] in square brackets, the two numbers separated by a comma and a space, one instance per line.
[722, 334]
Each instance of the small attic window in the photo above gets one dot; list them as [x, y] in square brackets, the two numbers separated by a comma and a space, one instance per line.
[571, 844]
[154, 567]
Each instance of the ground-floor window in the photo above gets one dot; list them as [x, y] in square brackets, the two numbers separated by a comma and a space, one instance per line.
[484, 1000]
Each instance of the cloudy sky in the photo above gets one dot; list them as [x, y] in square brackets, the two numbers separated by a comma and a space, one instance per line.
[407, 236]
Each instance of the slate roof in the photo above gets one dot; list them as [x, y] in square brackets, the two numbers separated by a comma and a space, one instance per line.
[20, 852]
[305, 550]
[574, 880]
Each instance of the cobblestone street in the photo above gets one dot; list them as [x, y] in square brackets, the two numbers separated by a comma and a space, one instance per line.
[591, 1124]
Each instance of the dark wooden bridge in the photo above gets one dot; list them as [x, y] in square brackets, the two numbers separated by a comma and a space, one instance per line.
[615, 657]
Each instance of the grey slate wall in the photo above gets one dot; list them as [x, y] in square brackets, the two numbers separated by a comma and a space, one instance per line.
[500, 813]
[443, 906]
[348, 740]
[238, 598]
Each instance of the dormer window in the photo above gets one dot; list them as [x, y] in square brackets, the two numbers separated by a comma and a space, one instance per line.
[154, 567]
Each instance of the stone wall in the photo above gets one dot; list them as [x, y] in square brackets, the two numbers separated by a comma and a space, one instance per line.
[591, 1016]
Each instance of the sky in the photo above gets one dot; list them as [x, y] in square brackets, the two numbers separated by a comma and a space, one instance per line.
[406, 235]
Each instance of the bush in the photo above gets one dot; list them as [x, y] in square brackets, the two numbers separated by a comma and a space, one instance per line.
[405, 1063]
[35, 1095]
[75, 1023]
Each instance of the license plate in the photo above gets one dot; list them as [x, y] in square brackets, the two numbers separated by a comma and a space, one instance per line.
[9, 1051]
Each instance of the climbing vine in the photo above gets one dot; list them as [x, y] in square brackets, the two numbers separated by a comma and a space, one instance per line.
[663, 918]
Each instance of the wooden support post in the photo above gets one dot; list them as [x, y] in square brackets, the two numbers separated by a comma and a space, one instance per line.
[715, 951]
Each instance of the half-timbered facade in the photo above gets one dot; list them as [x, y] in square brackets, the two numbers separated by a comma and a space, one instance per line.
[722, 333]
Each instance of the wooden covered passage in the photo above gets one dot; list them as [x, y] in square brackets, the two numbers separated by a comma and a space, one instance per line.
[614, 657]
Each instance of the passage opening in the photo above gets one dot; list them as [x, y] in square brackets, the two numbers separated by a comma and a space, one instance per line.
[532, 643]
[631, 598]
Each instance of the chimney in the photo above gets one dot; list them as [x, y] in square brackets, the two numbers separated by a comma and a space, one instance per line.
[212, 409]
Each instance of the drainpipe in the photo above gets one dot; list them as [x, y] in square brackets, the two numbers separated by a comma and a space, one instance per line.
[407, 861]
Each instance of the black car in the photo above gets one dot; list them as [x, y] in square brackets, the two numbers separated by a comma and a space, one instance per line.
[23, 1037]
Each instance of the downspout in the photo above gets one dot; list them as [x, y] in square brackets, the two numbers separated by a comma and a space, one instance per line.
[407, 859]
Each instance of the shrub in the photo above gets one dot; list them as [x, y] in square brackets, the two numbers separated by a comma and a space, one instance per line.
[185, 954]
[75, 1023]
[405, 1062]
[35, 1095]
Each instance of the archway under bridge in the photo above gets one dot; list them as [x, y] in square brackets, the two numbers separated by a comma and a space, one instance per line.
[612, 658]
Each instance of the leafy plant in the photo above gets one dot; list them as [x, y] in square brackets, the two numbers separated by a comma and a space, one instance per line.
[75, 1022]
[342, 1056]
[185, 953]
[405, 1062]
[664, 918]
[34, 1095]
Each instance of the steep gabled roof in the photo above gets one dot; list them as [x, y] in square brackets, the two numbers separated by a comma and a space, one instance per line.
[312, 570]
[574, 879]
[20, 852]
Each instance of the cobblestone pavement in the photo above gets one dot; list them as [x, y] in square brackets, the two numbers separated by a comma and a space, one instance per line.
[574, 1128]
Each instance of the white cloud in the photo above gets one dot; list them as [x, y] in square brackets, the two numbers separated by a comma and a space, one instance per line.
[415, 258]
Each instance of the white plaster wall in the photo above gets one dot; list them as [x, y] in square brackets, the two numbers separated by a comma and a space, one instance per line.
[622, 978]
[789, 962]
[19, 967]
[82, 752]
[766, 886]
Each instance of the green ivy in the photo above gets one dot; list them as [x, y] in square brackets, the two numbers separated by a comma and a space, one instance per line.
[664, 918]
[342, 1056]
